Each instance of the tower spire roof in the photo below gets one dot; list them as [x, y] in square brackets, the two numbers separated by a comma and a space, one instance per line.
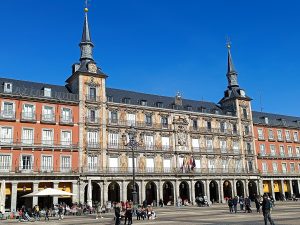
[230, 66]
[231, 72]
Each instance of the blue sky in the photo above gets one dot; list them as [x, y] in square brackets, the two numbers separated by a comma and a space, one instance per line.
[161, 46]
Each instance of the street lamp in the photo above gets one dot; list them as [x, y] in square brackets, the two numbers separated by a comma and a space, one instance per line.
[132, 145]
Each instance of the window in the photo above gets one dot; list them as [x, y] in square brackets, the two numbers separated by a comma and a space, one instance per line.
[209, 145]
[92, 163]
[47, 92]
[195, 144]
[7, 87]
[298, 151]
[113, 140]
[287, 135]
[275, 167]
[131, 119]
[208, 125]
[92, 139]
[248, 148]
[5, 163]
[167, 165]
[211, 165]
[296, 137]
[66, 138]
[113, 164]
[47, 137]
[113, 116]
[225, 165]
[260, 134]
[28, 112]
[65, 163]
[8, 109]
[47, 163]
[264, 167]
[271, 134]
[110, 98]
[283, 165]
[27, 136]
[6, 135]
[290, 151]
[234, 128]
[26, 162]
[165, 141]
[292, 167]
[250, 165]
[66, 115]
[159, 104]
[235, 146]
[48, 114]
[223, 127]
[262, 149]
[148, 120]
[238, 165]
[143, 102]
[164, 121]
[279, 135]
[92, 94]
[130, 166]
[92, 116]
[266, 120]
[245, 114]
[247, 130]
[272, 150]
[149, 165]
[223, 146]
[195, 124]
[281, 150]
[149, 142]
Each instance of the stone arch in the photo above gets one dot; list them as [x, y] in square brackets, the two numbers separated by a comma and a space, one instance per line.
[151, 192]
[240, 188]
[130, 189]
[168, 193]
[184, 191]
[227, 189]
[252, 187]
[114, 192]
[96, 193]
[214, 191]
[199, 189]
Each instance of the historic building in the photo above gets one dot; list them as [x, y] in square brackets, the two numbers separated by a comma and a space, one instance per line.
[278, 152]
[75, 137]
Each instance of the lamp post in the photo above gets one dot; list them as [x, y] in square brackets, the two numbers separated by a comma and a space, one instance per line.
[132, 145]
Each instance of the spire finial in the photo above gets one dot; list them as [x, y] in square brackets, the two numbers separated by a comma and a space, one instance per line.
[86, 9]
[228, 43]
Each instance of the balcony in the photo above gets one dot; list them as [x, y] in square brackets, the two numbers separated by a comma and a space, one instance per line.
[92, 98]
[113, 146]
[93, 145]
[279, 173]
[28, 117]
[138, 124]
[8, 115]
[48, 118]
[29, 169]
[92, 121]
[66, 120]
[30, 143]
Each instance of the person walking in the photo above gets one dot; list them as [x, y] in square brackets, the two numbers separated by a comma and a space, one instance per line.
[248, 205]
[230, 205]
[117, 214]
[257, 204]
[235, 202]
[241, 200]
[266, 209]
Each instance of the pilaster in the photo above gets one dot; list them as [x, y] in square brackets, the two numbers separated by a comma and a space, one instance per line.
[35, 188]
[75, 197]
[55, 198]
[14, 190]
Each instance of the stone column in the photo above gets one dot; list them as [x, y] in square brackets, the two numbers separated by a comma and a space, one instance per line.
[234, 188]
[282, 188]
[75, 197]
[221, 192]
[272, 189]
[140, 193]
[192, 192]
[35, 199]
[291, 188]
[14, 190]
[89, 193]
[124, 191]
[143, 191]
[161, 190]
[55, 198]
[246, 187]
[260, 187]
[82, 192]
[105, 192]
[207, 191]
[176, 190]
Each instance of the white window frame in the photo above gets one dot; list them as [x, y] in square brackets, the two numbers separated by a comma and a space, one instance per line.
[7, 113]
[281, 150]
[6, 89]
[284, 167]
[290, 150]
[113, 164]
[27, 115]
[275, 167]
[27, 168]
[264, 167]
[195, 144]
[47, 168]
[261, 135]
[64, 168]
[7, 140]
[165, 142]
[27, 141]
[113, 140]
[131, 119]
[4, 165]
[292, 165]
[64, 142]
[48, 117]
[149, 142]
[262, 149]
[272, 150]
[271, 134]
[64, 117]
[296, 136]
[93, 162]
[46, 141]
[279, 135]
[92, 138]
[287, 135]
[47, 92]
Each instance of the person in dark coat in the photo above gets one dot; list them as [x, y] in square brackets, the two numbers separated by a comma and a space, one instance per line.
[266, 209]
[257, 204]
[117, 214]
[230, 205]
[235, 202]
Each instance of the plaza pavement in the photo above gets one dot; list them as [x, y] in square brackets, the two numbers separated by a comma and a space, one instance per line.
[285, 213]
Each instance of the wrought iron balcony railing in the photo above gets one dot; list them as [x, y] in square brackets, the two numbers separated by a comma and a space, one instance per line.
[48, 118]
[66, 120]
[30, 143]
[7, 115]
[28, 116]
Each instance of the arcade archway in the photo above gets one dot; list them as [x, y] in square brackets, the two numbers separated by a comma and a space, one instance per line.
[199, 189]
[96, 193]
[168, 193]
[184, 192]
[214, 191]
[114, 192]
[151, 192]
[130, 189]
[239, 188]
[252, 187]
[227, 189]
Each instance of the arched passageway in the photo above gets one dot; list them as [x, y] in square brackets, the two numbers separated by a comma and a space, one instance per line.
[96, 193]
[214, 191]
[227, 189]
[130, 189]
[252, 187]
[184, 192]
[114, 192]
[239, 188]
[168, 193]
[151, 193]
[199, 189]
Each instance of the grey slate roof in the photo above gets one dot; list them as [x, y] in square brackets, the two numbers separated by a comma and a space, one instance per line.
[168, 102]
[275, 120]
[33, 89]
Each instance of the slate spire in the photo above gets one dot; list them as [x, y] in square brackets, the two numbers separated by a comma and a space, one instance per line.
[86, 44]
[231, 73]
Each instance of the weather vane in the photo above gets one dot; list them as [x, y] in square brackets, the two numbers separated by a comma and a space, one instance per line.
[86, 9]
[228, 43]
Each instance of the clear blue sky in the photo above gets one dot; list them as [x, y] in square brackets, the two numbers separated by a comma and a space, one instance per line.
[161, 46]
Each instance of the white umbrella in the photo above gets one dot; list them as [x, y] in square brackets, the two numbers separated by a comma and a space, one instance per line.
[48, 192]
[2, 196]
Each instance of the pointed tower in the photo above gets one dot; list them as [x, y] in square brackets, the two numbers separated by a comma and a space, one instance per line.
[89, 82]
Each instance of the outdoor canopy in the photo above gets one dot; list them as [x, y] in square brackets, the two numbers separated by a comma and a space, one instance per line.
[48, 192]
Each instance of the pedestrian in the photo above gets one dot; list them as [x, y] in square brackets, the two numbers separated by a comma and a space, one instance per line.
[257, 204]
[161, 204]
[248, 205]
[99, 211]
[117, 214]
[128, 213]
[241, 200]
[230, 204]
[60, 212]
[235, 202]
[266, 209]
[47, 212]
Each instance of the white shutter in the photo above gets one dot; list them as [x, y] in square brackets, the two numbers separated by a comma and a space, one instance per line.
[235, 146]
[92, 163]
[223, 146]
[5, 162]
[6, 135]
[165, 141]
[47, 137]
[149, 165]
[198, 163]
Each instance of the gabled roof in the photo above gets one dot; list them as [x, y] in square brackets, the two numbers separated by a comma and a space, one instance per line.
[34, 89]
[275, 120]
[168, 102]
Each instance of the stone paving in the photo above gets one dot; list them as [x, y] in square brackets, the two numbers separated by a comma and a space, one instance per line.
[285, 213]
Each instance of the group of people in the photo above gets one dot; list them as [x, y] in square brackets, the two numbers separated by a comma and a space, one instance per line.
[127, 210]
[262, 203]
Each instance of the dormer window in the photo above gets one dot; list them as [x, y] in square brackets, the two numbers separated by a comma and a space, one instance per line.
[110, 98]
[47, 92]
[126, 100]
[189, 108]
[266, 120]
[159, 104]
[143, 102]
[7, 87]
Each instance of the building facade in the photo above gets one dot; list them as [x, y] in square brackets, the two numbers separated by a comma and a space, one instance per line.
[74, 137]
